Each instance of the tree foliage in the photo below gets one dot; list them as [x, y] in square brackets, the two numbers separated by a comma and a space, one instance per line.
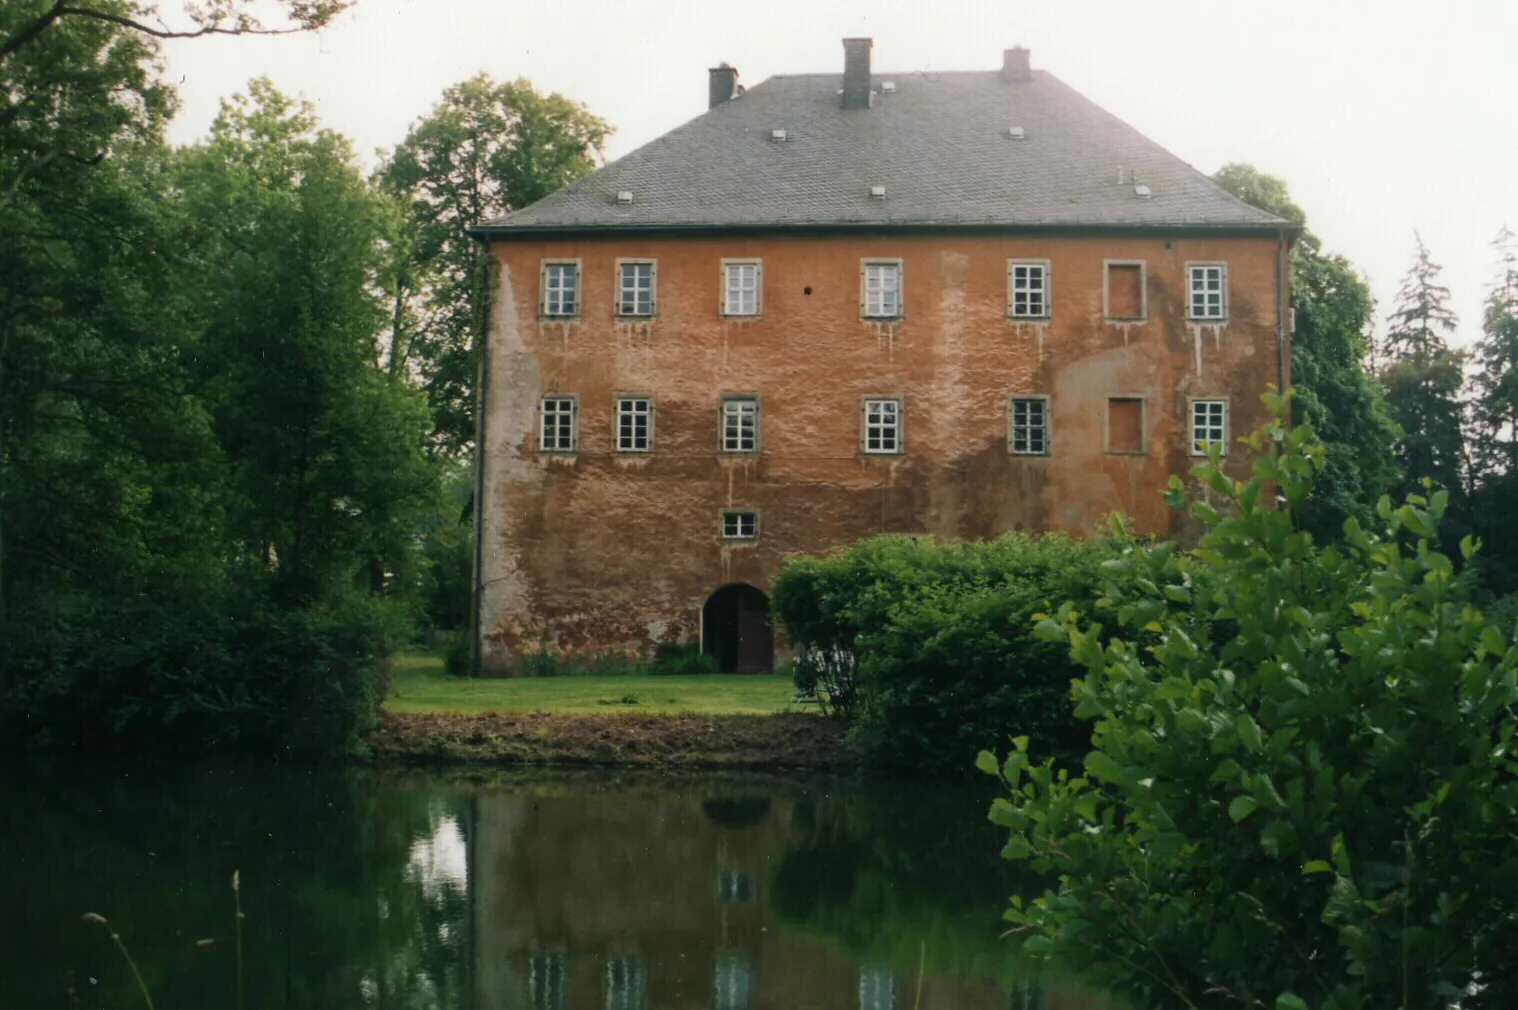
[208, 488]
[1302, 790]
[1333, 312]
[487, 148]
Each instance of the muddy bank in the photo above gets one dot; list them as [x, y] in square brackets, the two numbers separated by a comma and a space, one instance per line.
[790, 740]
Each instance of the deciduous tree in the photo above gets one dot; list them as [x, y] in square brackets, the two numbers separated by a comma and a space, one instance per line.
[1329, 346]
[487, 148]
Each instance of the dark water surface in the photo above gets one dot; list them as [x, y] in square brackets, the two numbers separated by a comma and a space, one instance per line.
[369, 890]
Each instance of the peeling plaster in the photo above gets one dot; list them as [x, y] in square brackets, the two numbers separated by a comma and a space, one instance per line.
[599, 551]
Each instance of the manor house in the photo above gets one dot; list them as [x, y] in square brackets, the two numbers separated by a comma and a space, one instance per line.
[837, 305]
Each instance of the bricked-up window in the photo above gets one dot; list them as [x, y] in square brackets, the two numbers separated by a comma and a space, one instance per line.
[740, 525]
[882, 289]
[882, 426]
[1209, 425]
[1125, 291]
[561, 289]
[740, 288]
[1028, 289]
[557, 432]
[1125, 424]
[635, 424]
[740, 424]
[1030, 426]
[635, 288]
[1207, 284]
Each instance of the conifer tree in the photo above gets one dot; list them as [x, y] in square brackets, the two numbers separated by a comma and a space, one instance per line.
[1494, 421]
[1423, 377]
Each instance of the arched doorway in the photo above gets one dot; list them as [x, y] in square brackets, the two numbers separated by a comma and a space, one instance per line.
[735, 628]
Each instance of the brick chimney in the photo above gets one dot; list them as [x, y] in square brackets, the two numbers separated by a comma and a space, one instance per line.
[1015, 65]
[722, 84]
[856, 73]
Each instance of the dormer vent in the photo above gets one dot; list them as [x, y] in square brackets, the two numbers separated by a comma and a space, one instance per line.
[888, 87]
[1142, 192]
[779, 135]
[1016, 133]
[877, 192]
[624, 197]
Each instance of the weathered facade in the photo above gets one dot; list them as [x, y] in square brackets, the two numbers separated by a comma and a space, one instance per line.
[1027, 319]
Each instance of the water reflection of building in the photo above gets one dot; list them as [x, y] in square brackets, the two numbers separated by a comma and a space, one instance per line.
[634, 900]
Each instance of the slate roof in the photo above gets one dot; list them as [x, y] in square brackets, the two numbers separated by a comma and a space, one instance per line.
[939, 145]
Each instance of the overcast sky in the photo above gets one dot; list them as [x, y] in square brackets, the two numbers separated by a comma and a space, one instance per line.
[1384, 116]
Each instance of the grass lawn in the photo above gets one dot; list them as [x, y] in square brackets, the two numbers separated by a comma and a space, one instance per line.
[420, 685]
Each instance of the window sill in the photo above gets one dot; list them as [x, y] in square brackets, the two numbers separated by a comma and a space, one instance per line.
[1028, 455]
[882, 319]
[646, 317]
[544, 317]
[1219, 320]
[1029, 319]
[1127, 452]
[1126, 319]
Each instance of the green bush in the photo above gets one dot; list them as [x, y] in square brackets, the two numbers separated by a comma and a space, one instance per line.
[682, 661]
[1317, 807]
[927, 645]
[202, 674]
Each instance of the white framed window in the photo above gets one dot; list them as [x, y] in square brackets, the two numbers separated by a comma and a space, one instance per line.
[1028, 289]
[877, 989]
[741, 287]
[546, 978]
[740, 424]
[561, 288]
[1209, 425]
[634, 418]
[635, 287]
[626, 983]
[1207, 291]
[558, 427]
[1028, 425]
[882, 426]
[880, 282]
[740, 525]
[735, 983]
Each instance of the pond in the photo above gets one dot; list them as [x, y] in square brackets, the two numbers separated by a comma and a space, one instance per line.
[374, 890]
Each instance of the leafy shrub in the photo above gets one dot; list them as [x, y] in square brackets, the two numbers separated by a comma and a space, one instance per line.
[928, 647]
[682, 661]
[1316, 808]
[203, 674]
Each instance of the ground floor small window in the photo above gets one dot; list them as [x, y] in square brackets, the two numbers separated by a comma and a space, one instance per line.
[740, 525]
[1209, 425]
